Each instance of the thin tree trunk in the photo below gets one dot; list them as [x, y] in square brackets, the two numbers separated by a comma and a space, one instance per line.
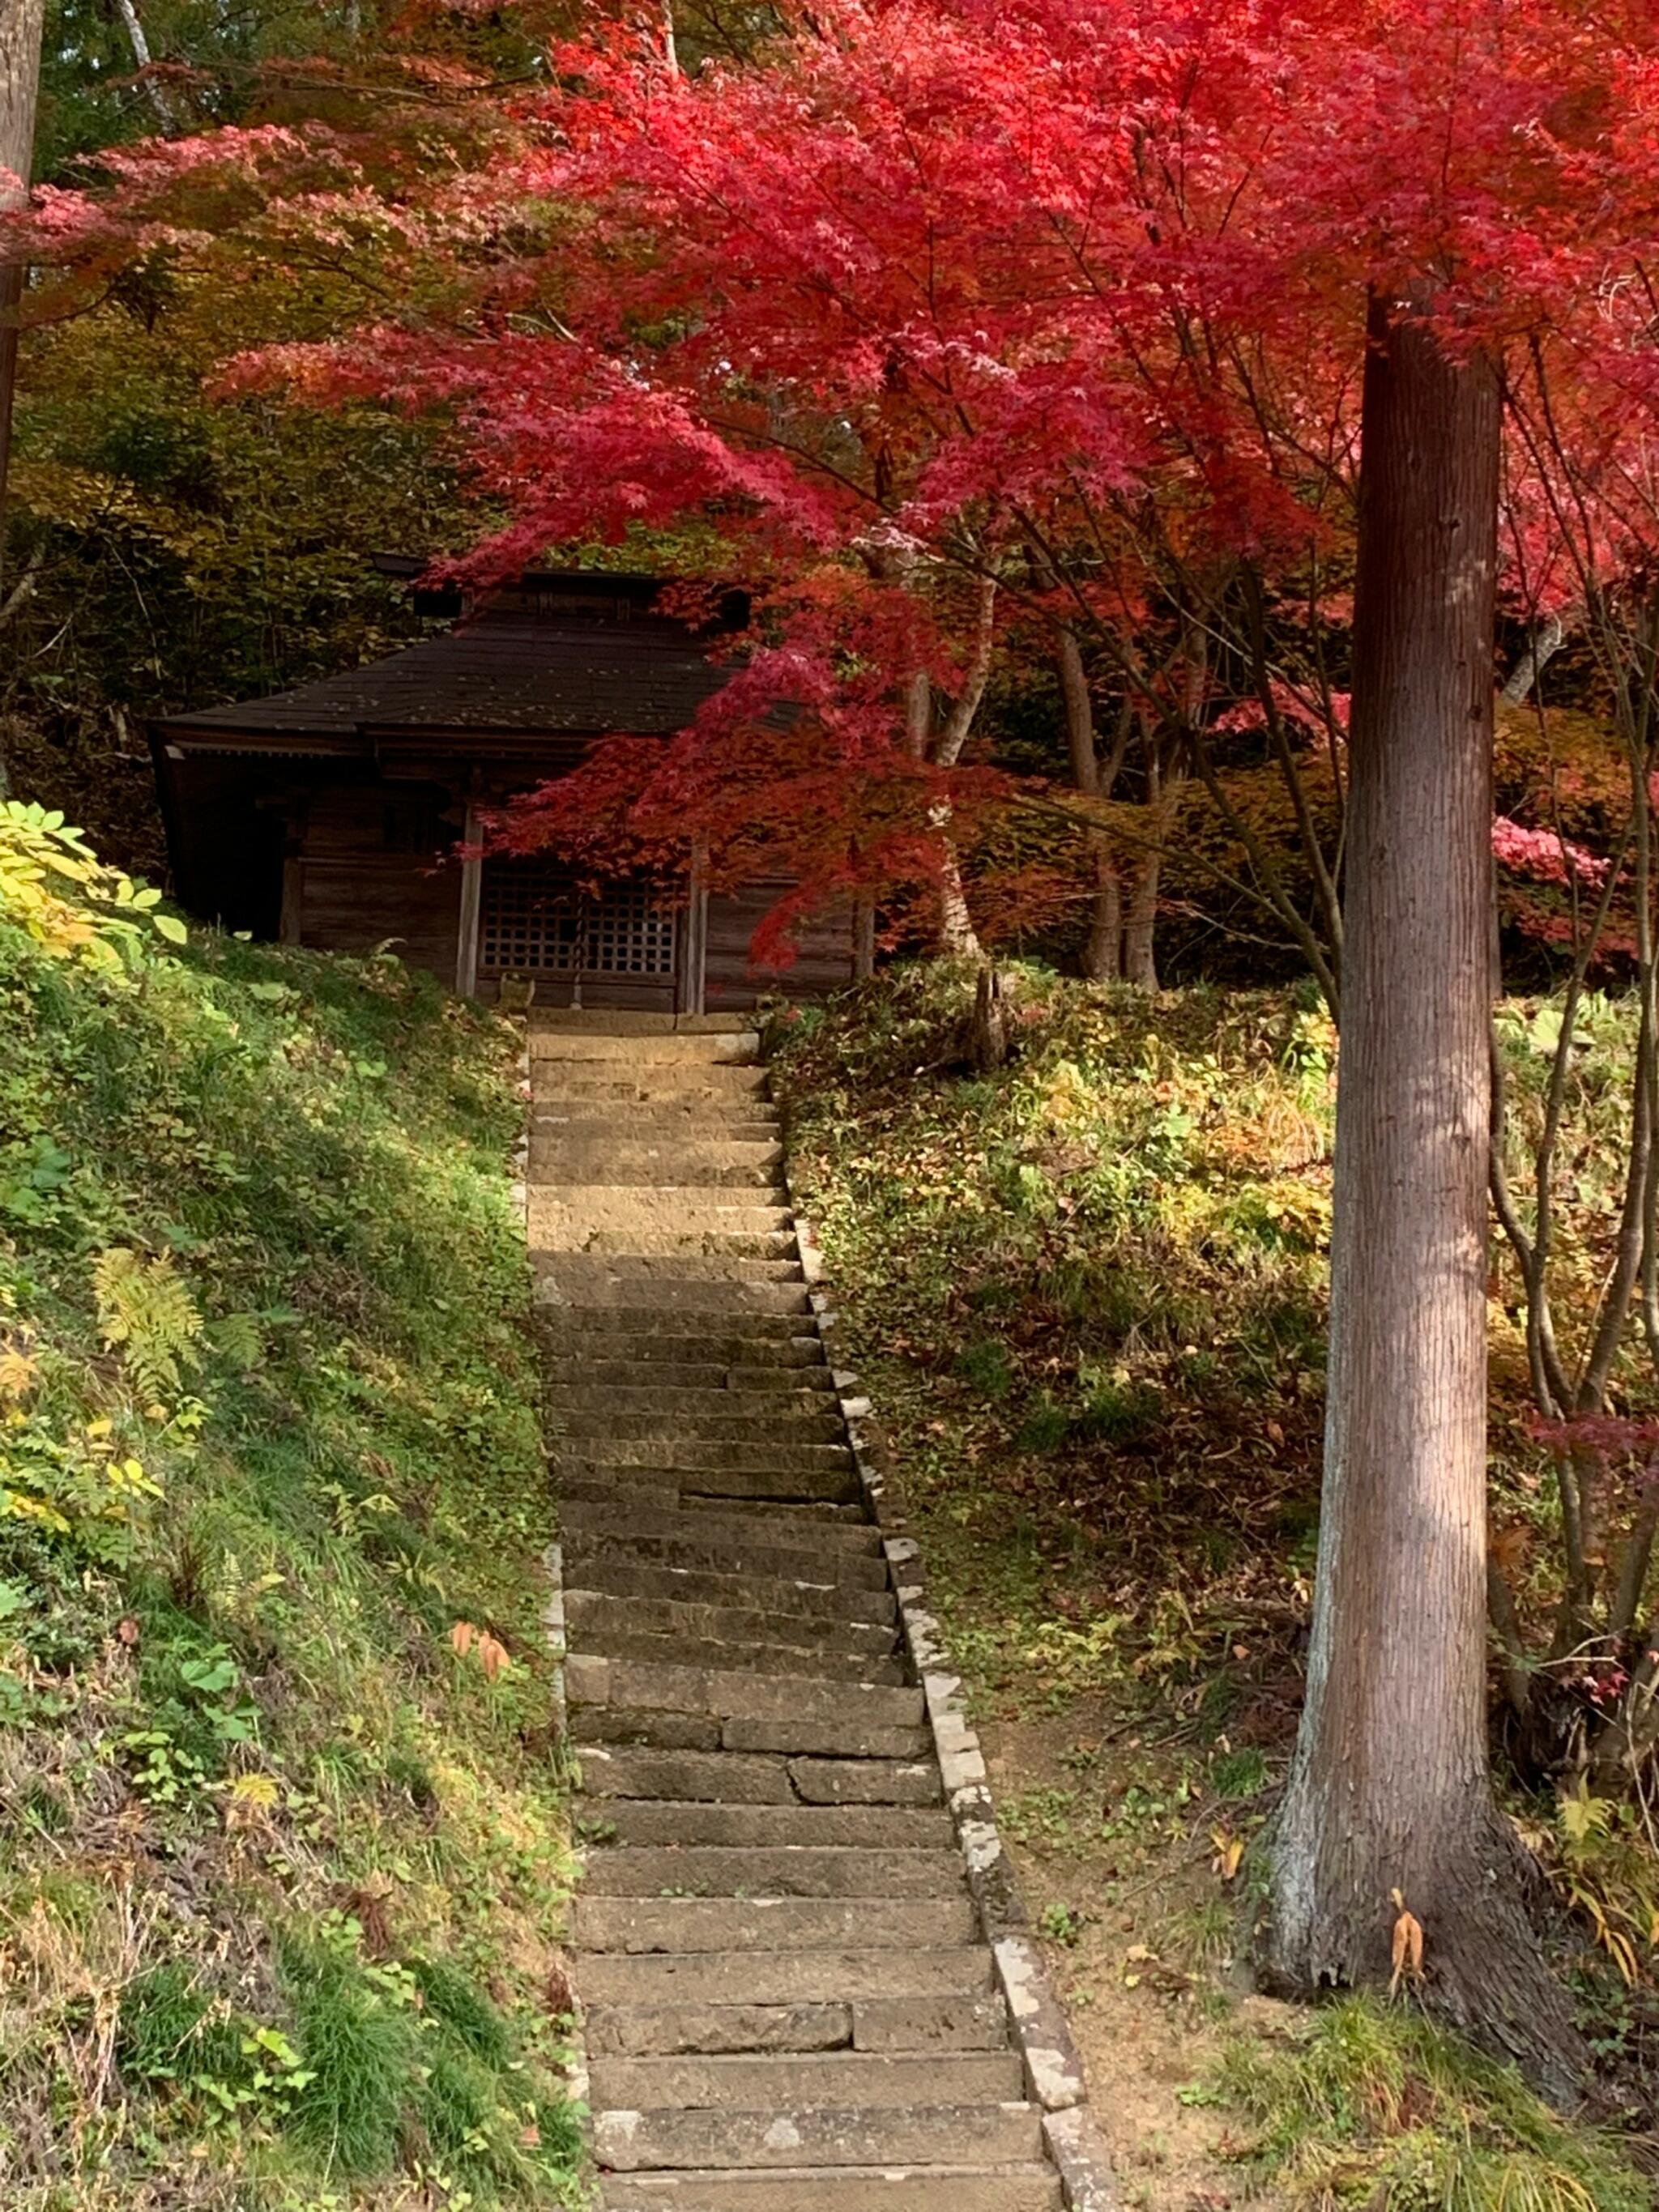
[1389, 1797]
[161, 106]
[1102, 947]
[1540, 648]
[21, 23]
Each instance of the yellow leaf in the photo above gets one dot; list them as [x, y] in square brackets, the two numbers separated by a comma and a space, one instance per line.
[256, 1790]
[1408, 1946]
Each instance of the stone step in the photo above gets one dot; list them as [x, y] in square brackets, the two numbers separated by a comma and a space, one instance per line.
[575, 1048]
[558, 1082]
[851, 1550]
[807, 1490]
[743, 1119]
[609, 1538]
[775, 1380]
[935, 2023]
[592, 1682]
[752, 1182]
[795, 1403]
[593, 1615]
[623, 1820]
[729, 1778]
[919, 1972]
[687, 1456]
[777, 1499]
[788, 1659]
[620, 1573]
[629, 2141]
[818, 2081]
[1024, 2188]
[642, 1333]
[559, 1222]
[669, 1870]
[643, 1155]
[777, 1923]
[570, 1283]
[556, 1021]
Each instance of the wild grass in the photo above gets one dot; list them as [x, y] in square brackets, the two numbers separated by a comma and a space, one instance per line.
[281, 1871]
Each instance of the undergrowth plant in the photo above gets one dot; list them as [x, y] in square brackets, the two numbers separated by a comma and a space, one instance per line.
[282, 1861]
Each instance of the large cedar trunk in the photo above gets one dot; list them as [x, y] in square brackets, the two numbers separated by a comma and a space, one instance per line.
[1388, 1795]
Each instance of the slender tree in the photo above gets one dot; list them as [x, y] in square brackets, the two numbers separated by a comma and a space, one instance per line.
[21, 23]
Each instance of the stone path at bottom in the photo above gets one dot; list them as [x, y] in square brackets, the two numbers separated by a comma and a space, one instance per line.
[790, 2006]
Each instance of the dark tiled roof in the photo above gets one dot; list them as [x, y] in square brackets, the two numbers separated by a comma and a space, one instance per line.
[646, 677]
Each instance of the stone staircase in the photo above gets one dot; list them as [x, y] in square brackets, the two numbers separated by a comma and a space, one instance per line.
[790, 2004]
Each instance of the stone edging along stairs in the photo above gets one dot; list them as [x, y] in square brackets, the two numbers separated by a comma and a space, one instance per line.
[802, 1962]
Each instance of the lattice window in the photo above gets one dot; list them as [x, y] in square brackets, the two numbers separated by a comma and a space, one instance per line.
[533, 921]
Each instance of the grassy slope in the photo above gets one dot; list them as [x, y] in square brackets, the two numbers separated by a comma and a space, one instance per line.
[1087, 1295]
[277, 1863]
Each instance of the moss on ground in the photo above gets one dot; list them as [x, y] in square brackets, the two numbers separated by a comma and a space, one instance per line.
[281, 1866]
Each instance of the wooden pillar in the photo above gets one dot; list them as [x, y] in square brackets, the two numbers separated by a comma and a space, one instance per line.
[467, 950]
[693, 959]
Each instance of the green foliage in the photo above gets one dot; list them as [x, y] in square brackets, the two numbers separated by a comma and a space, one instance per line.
[1373, 2106]
[268, 1430]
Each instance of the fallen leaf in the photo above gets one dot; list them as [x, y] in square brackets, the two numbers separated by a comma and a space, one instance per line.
[1407, 1944]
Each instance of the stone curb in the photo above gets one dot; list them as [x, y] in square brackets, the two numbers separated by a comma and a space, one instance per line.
[1054, 2071]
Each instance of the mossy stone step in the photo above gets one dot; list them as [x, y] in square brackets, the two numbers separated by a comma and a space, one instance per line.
[716, 1454]
[663, 1870]
[926, 2023]
[788, 1659]
[640, 1050]
[821, 2080]
[850, 1550]
[1024, 2188]
[628, 2142]
[609, 1538]
[658, 1332]
[620, 1821]
[620, 1573]
[728, 1778]
[591, 1614]
[822, 1975]
[777, 1380]
[775, 1923]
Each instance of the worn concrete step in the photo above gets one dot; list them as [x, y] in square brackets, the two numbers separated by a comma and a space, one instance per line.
[557, 1021]
[636, 1332]
[820, 2081]
[786, 1502]
[920, 1972]
[558, 1085]
[928, 2023]
[620, 1573]
[800, 1494]
[769, 1923]
[851, 1550]
[690, 1456]
[773, 1381]
[646, 1467]
[593, 1615]
[631, 2142]
[570, 1282]
[666, 1870]
[559, 1225]
[889, 1827]
[744, 1119]
[1024, 2188]
[574, 1048]
[797, 1406]
[588, 1542]
[794, 1659]
[783, 1702]
[635, 1154]
[729, 1778]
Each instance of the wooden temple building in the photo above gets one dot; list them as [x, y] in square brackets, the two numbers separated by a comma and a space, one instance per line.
[327, 816]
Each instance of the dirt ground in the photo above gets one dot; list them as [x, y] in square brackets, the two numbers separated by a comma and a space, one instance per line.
[1137, 1930]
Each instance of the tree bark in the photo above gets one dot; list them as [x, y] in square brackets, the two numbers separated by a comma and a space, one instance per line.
[1103, 947]
[1389, 1793]
[21, 23]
